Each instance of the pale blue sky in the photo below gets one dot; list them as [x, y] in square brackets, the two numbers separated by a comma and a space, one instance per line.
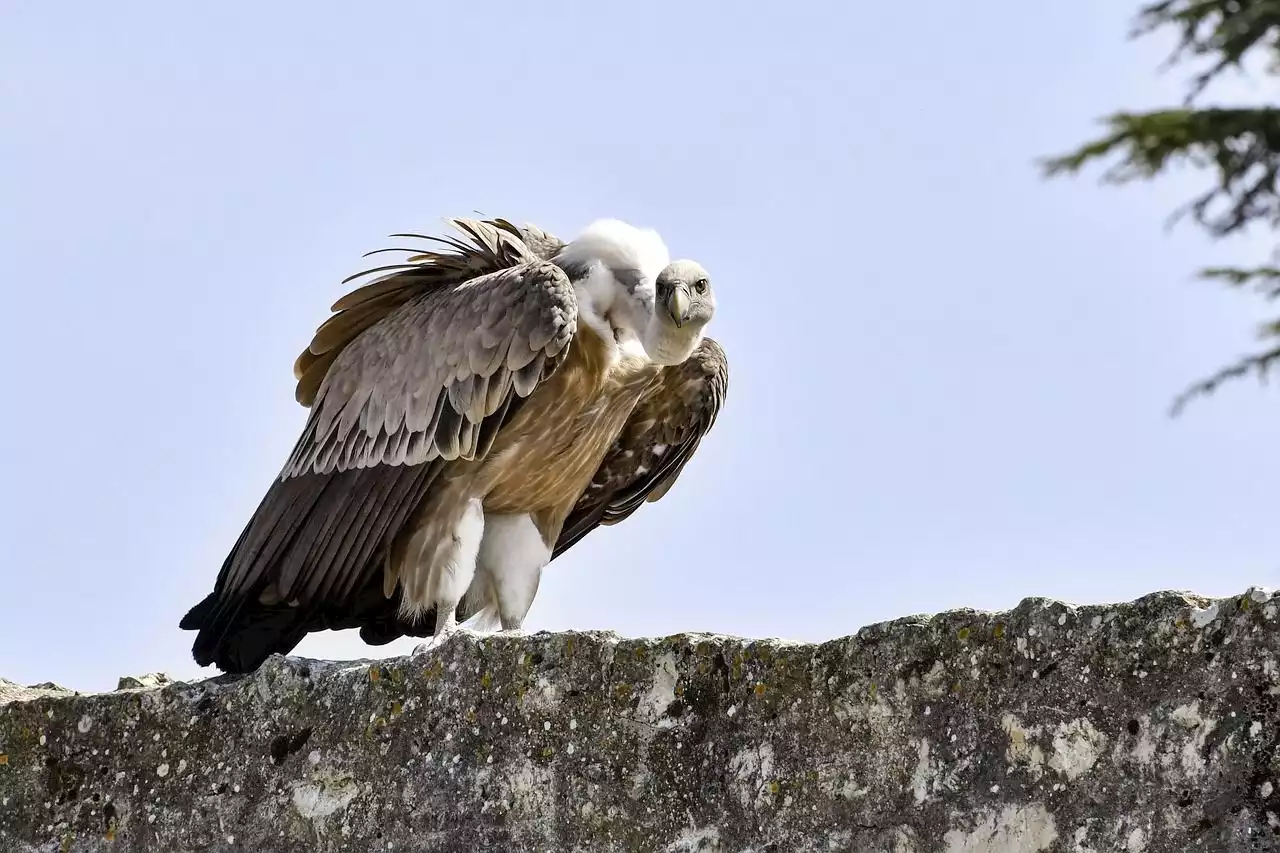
[949, 377]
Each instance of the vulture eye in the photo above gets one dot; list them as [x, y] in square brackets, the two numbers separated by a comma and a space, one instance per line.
[700, 285]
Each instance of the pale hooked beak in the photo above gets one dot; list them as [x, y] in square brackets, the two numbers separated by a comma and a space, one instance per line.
[678, 305]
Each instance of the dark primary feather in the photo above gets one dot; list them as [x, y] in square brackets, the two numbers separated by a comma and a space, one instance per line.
[297, 517]
[429, 377]
[675, 414]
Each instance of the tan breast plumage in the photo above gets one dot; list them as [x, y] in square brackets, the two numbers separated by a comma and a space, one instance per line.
[544, 459]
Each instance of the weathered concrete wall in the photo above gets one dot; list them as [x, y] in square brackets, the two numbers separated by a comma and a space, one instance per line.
[1150, 726]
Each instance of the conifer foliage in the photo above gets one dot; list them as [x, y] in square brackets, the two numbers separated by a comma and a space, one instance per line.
[1239, 147]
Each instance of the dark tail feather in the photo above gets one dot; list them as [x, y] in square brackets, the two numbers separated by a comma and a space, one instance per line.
[387, 627]
[379, 621]
[196, 616]
[239, 636]
[237, 639]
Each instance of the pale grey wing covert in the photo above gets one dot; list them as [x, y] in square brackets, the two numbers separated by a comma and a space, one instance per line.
[659, 438]
[431, 381]
[495, 244]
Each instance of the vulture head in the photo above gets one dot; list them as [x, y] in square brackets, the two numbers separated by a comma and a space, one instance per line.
[683, 306]
[631, 292]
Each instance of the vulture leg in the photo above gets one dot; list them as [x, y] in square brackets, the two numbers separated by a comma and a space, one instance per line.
[509, 567]
[442, 570]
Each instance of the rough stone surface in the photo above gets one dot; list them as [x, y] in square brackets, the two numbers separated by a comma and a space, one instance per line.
[1149, 726]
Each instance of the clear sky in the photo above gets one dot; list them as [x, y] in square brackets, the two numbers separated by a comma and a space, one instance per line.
[949, 377]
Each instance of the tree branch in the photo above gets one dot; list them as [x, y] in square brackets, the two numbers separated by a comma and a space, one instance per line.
[1266, 280]
[1261, 363]
[1226, 29]
[1242, 145]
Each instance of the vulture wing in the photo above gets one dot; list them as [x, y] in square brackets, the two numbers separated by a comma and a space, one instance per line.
[431, 375]
[659, 438]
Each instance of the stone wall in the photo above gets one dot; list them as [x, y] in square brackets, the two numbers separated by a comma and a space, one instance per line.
[1149, 726]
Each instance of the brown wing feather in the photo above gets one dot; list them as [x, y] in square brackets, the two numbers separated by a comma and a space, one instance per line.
[659, 438]
[431, 380]
[497, 244]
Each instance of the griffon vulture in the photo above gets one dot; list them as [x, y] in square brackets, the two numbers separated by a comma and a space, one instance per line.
[473, 414]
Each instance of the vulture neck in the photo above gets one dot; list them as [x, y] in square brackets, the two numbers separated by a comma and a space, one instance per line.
[607, 316]
[603, 358]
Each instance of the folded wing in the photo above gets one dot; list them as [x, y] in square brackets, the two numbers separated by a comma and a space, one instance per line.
[659, 438]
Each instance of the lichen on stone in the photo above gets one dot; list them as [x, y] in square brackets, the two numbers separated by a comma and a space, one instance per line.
[1151, 726]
